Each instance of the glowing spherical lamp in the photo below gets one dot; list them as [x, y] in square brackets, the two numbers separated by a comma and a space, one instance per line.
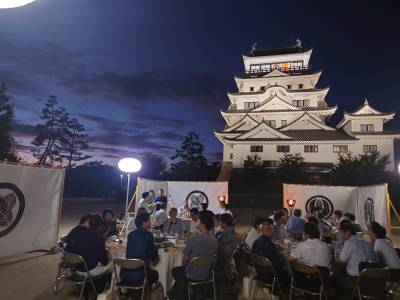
[14, 3]
[129, 165]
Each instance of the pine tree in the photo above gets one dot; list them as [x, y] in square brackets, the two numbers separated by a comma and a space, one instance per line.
[76, 142]
[6, 118]
[52, 136]
[189, 161]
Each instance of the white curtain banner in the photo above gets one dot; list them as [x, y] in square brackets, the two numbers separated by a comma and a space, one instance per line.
[366, 203]
[30, 200]
[371, 205]
[196, 193]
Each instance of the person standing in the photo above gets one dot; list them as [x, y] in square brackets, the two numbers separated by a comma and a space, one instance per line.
[161, 198]
[147, 203]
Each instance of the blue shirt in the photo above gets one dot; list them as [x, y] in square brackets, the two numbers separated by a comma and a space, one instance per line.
[355, 251]
[264, 247]
[295, 226]
[140, 246]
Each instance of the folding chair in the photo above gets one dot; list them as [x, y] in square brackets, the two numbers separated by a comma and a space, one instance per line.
[263, 262]
[69, 262]
[372, 284]
[202, 262]
[307, 279]
[130, 264]
[394, 284]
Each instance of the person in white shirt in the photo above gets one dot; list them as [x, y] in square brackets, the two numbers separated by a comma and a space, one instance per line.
[255, 232]
[354, 251]
[383, 247]
[183, 211]
[221, 209]
[312, 251]
[195, 220]
[147, 203]
[160, 216]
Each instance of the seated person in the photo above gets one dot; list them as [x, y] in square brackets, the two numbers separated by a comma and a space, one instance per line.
[279, 227]
[295, 225]
[352, 218]
[98, 226]
[183, 211]
[265, 247]
[227, 241]
[141, 246]
[131, 222]
[383, 247]
[312, 250]
[336, 218]
[108, 219]
[195, 220]
[200, 245]
[160, 216]
[354, 251]
[217, 226]
[255, 232]
[90, 246]
[173, 225]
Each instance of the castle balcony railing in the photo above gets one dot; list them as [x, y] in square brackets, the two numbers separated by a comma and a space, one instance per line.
[292, 69]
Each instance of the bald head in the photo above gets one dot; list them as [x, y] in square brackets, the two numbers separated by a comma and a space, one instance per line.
[267, 229]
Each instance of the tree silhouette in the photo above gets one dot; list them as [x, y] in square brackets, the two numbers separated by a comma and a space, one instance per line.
[6, 118]
[189, 162]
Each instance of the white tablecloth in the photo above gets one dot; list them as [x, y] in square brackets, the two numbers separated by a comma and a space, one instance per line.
[168, 261]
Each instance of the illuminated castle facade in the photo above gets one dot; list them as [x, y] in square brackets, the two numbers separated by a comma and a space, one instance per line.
[279, 110]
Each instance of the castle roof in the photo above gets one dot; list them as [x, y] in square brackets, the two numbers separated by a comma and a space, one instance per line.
[277, 51]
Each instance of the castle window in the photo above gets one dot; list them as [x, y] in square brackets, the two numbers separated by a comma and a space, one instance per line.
[283, 123]
[311, 148]
[283, 148]
[289, 86]
[340, 148]
[370, 148]
[271, 123]
[262, 88]
[300, 86]
[230, 156]
[301, 103]
[249, 105]
[252, 89]
[367, 127]
[256, 148]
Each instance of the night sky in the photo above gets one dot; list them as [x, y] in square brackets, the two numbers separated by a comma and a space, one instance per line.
[140, 74]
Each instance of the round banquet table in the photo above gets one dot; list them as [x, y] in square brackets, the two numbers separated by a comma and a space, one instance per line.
[168, 260]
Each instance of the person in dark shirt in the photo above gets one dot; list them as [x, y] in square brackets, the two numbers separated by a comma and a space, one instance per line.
[161, 198]
[90, 246]
[227, 242]
[98, 226]
[264, 247]
[110, 224]
[141, 246]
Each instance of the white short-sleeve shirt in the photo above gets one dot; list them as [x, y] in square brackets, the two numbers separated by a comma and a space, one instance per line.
[252, 236]
[313, 252]
[386, 254]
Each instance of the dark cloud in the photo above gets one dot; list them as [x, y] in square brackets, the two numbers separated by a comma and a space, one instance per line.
[24, 130]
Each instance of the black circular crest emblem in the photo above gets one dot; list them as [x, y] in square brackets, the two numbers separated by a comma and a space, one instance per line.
[369, 211]
[321, 204]
[196, 198]
[12, 205]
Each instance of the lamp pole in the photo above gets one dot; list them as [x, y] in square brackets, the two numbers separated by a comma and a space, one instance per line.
[127, 193]
[129, 165]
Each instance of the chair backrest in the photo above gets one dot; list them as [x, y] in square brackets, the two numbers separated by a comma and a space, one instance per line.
[397, 251]
[369, 265]
[128, 263]
[74, 260]
[372, 282]
[260, 261]
[306, 277]
[203, 261]
[394, 275]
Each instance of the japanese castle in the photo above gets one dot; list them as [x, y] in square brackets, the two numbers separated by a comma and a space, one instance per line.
[279, 110]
